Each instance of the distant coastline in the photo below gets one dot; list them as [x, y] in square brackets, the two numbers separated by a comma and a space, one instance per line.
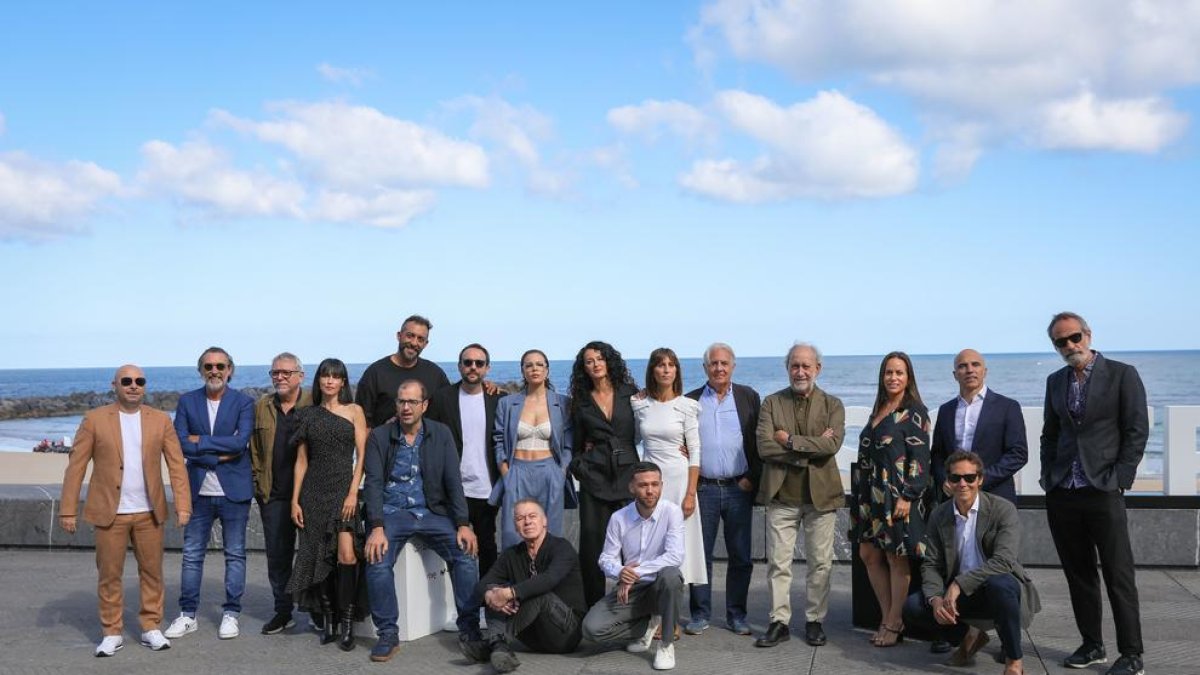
[36, 407]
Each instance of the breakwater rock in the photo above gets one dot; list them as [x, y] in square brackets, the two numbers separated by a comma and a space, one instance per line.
[81, 402]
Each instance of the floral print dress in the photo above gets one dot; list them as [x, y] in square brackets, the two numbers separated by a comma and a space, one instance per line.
[893, 462]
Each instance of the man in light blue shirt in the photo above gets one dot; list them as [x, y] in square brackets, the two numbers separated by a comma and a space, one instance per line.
[643, 549]
[730, 469]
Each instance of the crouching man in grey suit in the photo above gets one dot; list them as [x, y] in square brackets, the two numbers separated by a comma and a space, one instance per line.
[970, 571]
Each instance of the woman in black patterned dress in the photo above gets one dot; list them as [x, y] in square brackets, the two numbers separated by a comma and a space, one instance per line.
[331, 439]
[889, 490]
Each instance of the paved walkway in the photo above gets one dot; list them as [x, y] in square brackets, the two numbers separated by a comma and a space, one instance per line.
[48, 625]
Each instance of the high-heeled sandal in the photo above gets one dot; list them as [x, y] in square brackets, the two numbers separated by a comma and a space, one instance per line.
[889, 631]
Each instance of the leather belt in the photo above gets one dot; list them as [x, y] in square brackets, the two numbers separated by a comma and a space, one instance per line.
[720, 481]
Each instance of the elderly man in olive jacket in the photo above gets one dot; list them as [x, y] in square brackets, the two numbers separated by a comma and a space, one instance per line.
[800, 430]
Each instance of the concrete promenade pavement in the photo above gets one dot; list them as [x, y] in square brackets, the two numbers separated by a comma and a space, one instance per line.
[48, 624]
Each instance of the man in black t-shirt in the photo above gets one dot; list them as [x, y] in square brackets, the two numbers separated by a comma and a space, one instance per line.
[377, 388]
[534, 593]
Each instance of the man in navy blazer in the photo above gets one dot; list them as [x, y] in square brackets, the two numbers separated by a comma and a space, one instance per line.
[214, 424]
[412, 488]
[730, 469]
[1093, 436]
[984, 422]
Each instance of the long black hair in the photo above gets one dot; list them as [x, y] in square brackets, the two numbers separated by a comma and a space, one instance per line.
[581, 382]
[332, 368]
[911, 394]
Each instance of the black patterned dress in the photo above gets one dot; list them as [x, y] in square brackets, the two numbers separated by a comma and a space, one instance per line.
[893, 462]
[331, 450]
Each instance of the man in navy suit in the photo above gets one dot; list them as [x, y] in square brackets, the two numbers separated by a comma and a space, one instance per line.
[1093, 437]
[214, 424]
[984, 422]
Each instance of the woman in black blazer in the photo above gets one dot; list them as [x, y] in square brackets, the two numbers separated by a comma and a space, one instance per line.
[601, 388]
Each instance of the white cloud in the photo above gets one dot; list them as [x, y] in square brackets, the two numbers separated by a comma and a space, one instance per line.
[614, 158]
[1131, 125]
[651, 118]
[1001, 66]
[202, 176]
[43, 200]
[387, 208]
[353, 76]
[356, 148]
[517, 132]
[827, 147]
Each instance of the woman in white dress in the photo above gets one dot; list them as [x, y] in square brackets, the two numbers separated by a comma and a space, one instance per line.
[667, 422]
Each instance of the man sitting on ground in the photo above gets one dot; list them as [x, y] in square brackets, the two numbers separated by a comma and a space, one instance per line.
[534, 593]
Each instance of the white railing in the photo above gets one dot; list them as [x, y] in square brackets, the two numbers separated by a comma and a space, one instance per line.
[1179, 459]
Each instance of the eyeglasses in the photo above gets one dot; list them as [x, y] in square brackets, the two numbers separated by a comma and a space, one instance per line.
[1075, 338]
[477, 363]
[408, 403]
[219, 366]
[968, 478]
[283, 373]
[139, 381]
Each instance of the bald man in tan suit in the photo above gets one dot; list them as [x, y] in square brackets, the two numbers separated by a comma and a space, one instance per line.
[126, 443]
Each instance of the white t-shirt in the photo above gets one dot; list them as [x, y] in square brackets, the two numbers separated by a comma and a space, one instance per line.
[477, 484]
[133, 478]
[211, 487]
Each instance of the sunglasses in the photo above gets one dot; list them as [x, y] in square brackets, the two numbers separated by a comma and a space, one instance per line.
[478, 363]
[968, 478]
[1073, 338]
[218, 366]
[139, 381]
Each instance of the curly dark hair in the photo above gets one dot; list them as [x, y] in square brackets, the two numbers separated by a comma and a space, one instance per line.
[581, 382]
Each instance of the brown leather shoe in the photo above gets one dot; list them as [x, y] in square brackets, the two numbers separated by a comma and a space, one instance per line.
[974, 640]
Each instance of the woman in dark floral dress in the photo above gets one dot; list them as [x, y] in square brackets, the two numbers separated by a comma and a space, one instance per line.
[889, 487]
[331, 438]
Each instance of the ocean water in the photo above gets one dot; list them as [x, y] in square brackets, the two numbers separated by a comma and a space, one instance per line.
[1171, 378]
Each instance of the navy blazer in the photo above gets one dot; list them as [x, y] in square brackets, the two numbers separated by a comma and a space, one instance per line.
[440, 476]
[999, 441]
[443, 407]
[748, 404]
[504, 438]
[1112, 437]
[230, 435]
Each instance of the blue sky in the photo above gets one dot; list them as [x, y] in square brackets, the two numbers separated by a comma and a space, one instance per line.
[866, 175]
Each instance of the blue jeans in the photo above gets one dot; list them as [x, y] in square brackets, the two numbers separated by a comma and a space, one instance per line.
[440, 534]
[233, 517]
[736, 507]
[998, 599]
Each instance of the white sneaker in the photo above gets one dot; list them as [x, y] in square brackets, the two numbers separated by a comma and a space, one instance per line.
[155, 640]
[664, 659]
[229, 627]
[109, 645]
[643, 644]
[182, 625]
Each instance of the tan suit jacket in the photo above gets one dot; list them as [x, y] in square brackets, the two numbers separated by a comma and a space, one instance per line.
[811, 451]
[98, 440]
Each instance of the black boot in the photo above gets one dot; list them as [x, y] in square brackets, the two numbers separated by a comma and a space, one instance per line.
[328, 632]
[346, 581]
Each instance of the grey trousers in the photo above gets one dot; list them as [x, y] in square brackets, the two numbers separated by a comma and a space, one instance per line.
[543, 624]
[609, 621]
